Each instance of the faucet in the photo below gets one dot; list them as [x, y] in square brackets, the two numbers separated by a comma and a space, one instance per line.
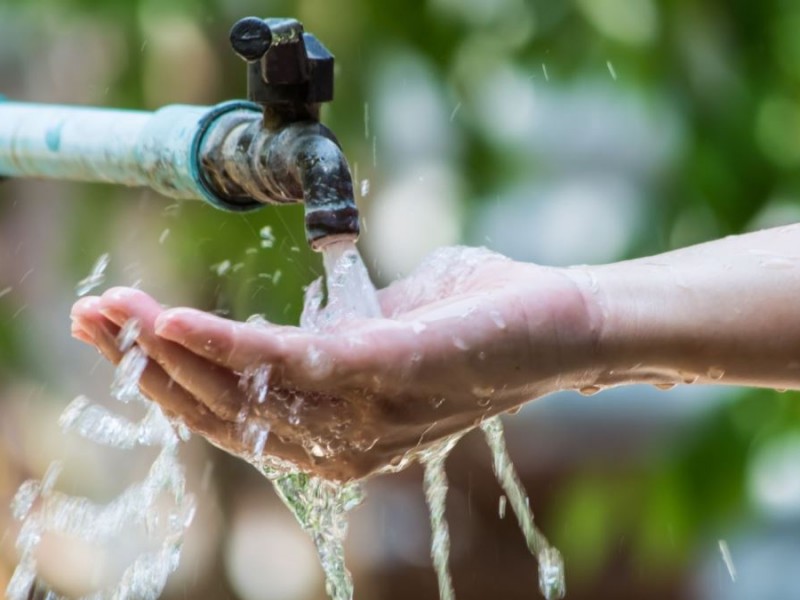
[237, 155]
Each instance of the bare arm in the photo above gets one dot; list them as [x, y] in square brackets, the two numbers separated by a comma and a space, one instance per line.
[727, 311]
[469, 335]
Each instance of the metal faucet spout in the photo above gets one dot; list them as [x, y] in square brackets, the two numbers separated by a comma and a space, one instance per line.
[321, 168]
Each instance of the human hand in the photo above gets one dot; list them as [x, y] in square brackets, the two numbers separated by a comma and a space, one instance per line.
[468, 335]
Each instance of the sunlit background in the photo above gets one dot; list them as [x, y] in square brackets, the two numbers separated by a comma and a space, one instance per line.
[558, 132]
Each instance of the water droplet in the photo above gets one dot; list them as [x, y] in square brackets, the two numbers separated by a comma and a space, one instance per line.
[501, 507]
[364, 188]
[258, 319]
[716, 373]
[611, 70]
[590, 390]
[497, 318]
[95, 278]
[727, 559]
[437, 401]
[665, 386]
[221, 268]
[482, 391]
[267, 237]
[688, 378]
[551, 574]
[460, 344]
[318, 364]
[164, 235]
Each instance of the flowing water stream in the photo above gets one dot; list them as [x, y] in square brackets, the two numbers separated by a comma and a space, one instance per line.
[319, 505]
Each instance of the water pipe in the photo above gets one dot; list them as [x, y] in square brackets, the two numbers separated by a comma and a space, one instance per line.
[236, 155]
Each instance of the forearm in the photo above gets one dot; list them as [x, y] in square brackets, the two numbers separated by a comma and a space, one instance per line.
[723, 312]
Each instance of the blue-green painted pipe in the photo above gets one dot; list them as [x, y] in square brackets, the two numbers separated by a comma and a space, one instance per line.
[158, 149]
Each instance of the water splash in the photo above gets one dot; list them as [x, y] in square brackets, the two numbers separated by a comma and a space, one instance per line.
[551, 565]
[42, 510]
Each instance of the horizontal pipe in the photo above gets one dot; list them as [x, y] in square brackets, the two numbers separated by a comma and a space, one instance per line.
[156, 149]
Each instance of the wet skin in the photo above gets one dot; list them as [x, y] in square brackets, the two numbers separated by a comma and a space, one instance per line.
[461, 342]
[468, 335]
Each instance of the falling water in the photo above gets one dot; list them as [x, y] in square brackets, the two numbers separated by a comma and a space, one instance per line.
[551, 565]
[319, 505]
[42, 510]
[435, 484]
[321, 508]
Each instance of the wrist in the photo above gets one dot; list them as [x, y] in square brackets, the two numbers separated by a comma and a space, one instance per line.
[640, 337]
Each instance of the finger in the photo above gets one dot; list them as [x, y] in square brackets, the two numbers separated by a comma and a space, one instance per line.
[177, 402]
[231, 344]
[154, 382]
[215, 387]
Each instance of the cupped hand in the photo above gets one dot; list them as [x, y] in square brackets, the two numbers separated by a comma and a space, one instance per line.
[468, 335]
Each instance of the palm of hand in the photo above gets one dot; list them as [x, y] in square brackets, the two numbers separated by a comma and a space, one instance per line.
[468, 335]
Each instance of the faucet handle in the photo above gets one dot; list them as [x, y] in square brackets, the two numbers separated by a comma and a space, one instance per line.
[287, 68]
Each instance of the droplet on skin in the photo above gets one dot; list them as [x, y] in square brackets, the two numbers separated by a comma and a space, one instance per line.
[437, 401]
[665, 386]
[318, 364]
[482, 391]
[590, 390]
[460, 344]
[497, 318]
[716, 373]
[257, 320]
[689, 378]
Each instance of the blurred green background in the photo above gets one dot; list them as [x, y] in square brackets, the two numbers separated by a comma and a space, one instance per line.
[559, 132]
